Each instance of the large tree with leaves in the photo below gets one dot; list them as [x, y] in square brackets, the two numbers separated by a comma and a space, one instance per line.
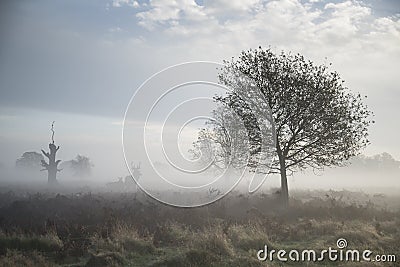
[318, 121]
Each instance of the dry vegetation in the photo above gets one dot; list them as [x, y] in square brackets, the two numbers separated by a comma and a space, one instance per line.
[107, 229]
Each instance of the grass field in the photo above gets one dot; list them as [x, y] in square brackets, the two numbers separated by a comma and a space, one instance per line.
[123, 229]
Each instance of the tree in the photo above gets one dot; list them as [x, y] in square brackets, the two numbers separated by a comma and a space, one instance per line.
[81, 166]
[52, 166]
[29, 161]
[317, 121]
[383, 162]
[221, 144]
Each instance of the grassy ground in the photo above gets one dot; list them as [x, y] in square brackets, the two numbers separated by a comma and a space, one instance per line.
[123, 230]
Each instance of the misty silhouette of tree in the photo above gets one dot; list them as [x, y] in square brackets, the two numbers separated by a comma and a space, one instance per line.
[29, 161]
[81, 166]
[318, 122]
[222, 144]
[377, 163]
[52, 165]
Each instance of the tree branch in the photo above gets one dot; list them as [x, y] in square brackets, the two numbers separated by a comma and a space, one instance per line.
[46, 154]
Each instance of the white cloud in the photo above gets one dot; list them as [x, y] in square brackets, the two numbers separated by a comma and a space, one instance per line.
[286, 24]
[119, 3]
[220, 7]
[221, 28]
[185, 16]
[168, 13]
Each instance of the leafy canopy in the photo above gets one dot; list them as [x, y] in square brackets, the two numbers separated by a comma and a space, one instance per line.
[318, 120]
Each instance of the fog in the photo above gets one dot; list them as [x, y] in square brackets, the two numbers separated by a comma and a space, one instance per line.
[375, 177]
[80, 63]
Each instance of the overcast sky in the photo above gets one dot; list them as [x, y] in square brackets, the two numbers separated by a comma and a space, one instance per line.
[79, 62]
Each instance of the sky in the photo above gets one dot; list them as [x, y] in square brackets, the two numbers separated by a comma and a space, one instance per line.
[79, 62]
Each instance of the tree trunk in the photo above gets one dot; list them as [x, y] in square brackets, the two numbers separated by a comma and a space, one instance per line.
[52, 175]
[52, 165]
[282, 166]
[284, 183]
[284, 189]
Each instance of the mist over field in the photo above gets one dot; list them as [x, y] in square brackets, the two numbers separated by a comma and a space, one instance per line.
[199, 133]
[369, 173]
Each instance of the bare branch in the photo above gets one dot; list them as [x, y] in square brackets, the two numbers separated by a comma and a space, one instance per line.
[46, 153]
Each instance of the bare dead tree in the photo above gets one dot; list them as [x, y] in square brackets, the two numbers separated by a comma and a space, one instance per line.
[52, 166]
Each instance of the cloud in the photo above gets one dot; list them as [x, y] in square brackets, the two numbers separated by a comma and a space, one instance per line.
[347, 33]
[229, 6]
[284, 22]
[119, 3]
[169, 13]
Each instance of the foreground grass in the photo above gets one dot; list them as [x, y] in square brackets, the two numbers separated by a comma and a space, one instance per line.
[200, 237]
